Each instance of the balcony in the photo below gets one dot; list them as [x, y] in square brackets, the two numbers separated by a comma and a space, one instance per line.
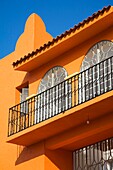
[96, 81]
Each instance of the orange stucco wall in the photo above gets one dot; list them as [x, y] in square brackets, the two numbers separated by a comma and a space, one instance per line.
[37, 156]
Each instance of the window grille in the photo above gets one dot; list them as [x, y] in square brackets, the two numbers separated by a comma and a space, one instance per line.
[98, 156]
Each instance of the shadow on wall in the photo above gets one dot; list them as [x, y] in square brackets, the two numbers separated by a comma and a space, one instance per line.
[27, 153]
[60, 158]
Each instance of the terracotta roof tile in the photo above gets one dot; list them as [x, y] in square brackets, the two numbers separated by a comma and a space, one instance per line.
[63, 35]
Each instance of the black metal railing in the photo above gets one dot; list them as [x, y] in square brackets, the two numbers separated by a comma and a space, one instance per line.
[98, 156]
[76, 90]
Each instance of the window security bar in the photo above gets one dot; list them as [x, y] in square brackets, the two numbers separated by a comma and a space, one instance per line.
[98, 156]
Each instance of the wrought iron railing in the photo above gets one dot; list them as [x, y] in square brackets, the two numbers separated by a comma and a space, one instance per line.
[98, 156]
[80, 88]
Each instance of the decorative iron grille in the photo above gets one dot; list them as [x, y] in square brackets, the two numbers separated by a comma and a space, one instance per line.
[76, 90]
[98, 156]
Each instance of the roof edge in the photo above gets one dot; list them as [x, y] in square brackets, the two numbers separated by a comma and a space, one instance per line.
[63, 35]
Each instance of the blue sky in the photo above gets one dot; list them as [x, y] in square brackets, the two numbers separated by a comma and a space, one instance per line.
[58, 15]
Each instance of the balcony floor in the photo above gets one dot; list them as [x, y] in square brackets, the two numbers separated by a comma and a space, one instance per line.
[68, 120]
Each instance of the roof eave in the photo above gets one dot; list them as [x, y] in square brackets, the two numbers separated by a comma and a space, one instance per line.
[85, 30]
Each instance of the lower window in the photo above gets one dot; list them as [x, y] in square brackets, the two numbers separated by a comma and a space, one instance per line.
[98, 156]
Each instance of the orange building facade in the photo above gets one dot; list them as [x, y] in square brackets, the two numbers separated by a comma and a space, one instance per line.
[57, 97]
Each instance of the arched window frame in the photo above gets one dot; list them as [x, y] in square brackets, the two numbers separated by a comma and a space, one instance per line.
[91, 83]
[55, 97]
[95, 60]
[51, 83]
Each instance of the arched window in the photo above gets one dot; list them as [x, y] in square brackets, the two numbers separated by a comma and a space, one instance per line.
[99, 52]
[52, 98]
[53, 77]
[95, 79]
